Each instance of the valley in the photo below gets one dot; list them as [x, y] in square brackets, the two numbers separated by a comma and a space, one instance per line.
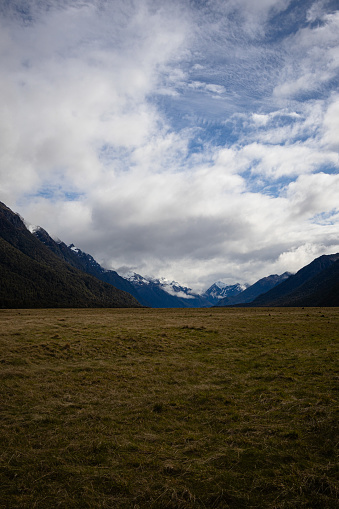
[175, 408]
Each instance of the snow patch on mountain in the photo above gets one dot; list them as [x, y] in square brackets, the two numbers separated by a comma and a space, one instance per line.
[173, 288]
[75, 249]
[86, 256]
[31, 227]
[220, 290]
[220, 284]
[134, 278]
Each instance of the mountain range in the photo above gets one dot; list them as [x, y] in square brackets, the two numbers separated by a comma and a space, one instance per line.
[252, 292]
[38, 271]
[149, 292]
[32, 275]
[162, 293]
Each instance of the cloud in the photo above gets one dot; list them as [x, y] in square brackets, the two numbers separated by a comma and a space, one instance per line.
[313, 194]
[297, 258]
[311, 56]
[196, 141]
[276, 161]
[331, 125]
[208, 87]
[67, 93]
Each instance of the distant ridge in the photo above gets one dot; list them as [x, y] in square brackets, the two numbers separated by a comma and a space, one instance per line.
[162, 293]
[316, 284]
[260, 287]
[32, 276]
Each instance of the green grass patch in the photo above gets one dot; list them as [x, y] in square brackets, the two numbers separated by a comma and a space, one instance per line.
[142, 408]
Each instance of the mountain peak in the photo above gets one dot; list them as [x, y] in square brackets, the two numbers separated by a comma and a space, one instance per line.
[220, 290]
[220, 284]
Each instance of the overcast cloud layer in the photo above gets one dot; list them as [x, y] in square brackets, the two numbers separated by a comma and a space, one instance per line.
[195, 140]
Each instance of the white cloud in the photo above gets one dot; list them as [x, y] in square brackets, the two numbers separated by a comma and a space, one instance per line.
[311, 58]
[208, 87]
[65, 94]
[331, 125]
[312, 194]
[315, 12]
[298, 257]
[112, 103]
[276, 161]
[260, 119]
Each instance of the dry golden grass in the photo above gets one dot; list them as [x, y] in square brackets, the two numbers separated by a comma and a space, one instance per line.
[209, 408]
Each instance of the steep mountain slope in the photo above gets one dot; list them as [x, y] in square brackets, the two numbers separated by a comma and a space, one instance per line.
[321, 290]
[316, 284]
[86, 263]
[32, 276]
[220, 290]
[253, 291]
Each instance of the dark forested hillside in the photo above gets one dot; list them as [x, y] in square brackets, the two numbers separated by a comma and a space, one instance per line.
[316, 284]
[86, 263]
[32, 276]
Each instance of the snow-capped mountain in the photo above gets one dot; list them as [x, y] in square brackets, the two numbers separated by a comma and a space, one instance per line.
[163, 293]
[220, 290]
[49, 282]
[174, 288]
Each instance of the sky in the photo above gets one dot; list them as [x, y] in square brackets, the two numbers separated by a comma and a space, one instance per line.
[193, 140]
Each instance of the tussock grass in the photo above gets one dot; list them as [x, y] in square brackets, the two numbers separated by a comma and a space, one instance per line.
[210, 408]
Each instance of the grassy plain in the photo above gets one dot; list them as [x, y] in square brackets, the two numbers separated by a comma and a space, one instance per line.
[185, 408]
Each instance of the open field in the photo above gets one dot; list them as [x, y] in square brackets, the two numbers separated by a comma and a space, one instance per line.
[178, 408]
